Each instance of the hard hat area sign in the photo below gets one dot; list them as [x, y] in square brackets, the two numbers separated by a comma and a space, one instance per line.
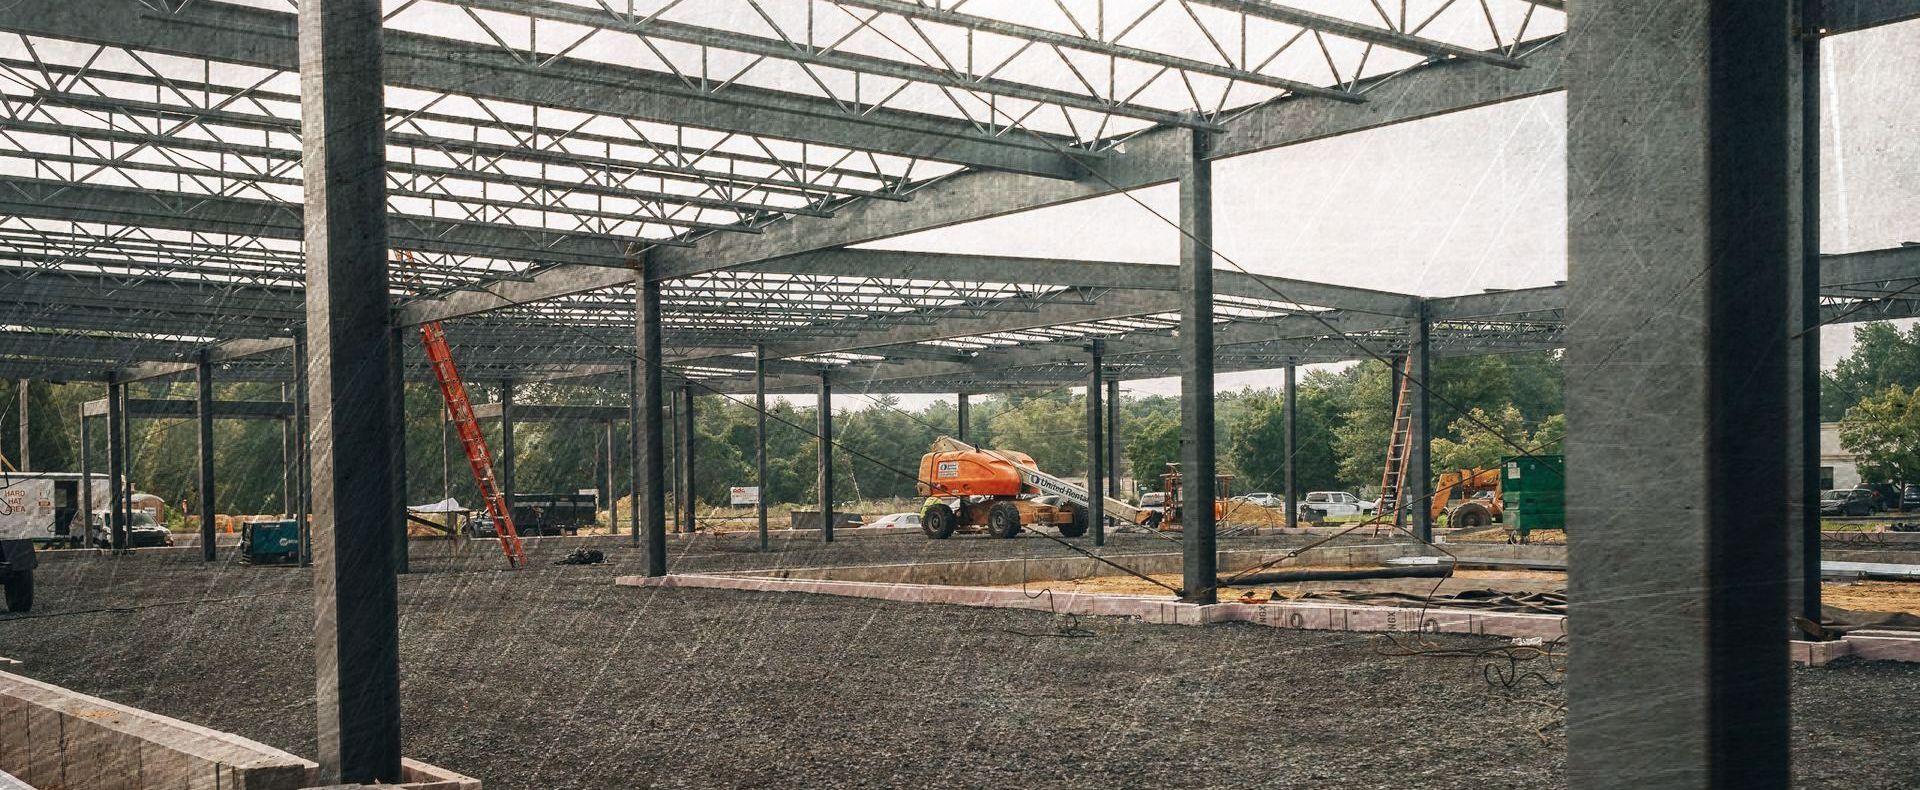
[745, 495]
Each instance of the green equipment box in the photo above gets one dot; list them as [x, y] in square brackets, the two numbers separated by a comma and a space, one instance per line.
[1533, 490]
[269, 542]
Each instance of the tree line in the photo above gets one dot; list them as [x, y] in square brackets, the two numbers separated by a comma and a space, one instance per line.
[1483, 407]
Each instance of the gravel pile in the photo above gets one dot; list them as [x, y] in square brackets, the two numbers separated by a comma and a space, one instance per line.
[550, 677]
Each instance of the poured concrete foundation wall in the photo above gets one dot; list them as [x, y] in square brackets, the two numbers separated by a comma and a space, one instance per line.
[54, 738]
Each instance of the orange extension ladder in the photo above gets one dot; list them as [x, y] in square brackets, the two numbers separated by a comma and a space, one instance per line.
[460, 410]
[1394, 478]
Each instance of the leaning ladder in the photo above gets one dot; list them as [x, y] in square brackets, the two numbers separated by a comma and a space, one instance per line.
[1393, 479]
[460, 410]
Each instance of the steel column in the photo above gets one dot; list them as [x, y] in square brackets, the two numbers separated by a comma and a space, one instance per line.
[634, 426]
[607, 478]
[689, 503]
[824, 413]
[1288, 448]
[203, 420]
[674, 475]
[303, 448]
[506, 443]
[397, 428]
[26, 426]
[1113, 437]
[1396, 367]
[1682, 264]
[356, 638]
[650, 458]
[1803, 551]
[86, 480]
[960, 418]
[116, 464]
[1419, 476]
[1201, 562]
[760, 442]
[1096, 445]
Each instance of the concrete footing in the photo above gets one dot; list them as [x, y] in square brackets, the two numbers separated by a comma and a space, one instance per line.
[51, 737]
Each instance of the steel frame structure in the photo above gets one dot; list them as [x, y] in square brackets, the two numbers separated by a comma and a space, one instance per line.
[681, 193]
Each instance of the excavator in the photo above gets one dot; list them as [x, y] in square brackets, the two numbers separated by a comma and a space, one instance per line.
[1003, 491]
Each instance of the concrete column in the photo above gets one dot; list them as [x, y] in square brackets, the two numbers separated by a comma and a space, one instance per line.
[1201, 565]
[650, 455]
[825, 448]
[1113, 437]
[506, 443]
[689, 482]
[356, 638]
[760, 441]
[26, 426]
[1096, 444]
[203, 419]
[1683, 155]
[86, 480]
[397, 427]
[1803, 550]
[960, 416]
[116, 464]
[1418, 493]
[1289, 417]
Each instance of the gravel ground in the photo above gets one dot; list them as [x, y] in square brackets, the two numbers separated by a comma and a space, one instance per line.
[551, 678]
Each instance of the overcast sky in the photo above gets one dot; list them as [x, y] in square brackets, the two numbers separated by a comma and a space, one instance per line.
[1468, 201]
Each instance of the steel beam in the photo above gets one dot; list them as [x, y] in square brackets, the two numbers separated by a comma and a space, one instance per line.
[77, 202]
[236, 34]
[1151, 158]
[1197, 485]
[1678, 378]
[169, 408]
[1833, 17]
[357, 637]
[1391, 39]
[203, 419]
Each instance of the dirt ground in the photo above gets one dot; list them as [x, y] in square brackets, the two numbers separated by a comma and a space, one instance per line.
[550, 677]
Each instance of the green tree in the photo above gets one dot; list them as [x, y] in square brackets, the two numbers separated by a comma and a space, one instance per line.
[1153, 442]
[1486, 438]
[1882, 357]
[1053, 430]
[1883, 432]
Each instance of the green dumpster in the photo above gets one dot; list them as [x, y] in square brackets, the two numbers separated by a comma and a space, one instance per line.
[1533, 490]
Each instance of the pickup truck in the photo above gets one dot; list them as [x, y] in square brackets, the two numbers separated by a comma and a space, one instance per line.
[1328, 504]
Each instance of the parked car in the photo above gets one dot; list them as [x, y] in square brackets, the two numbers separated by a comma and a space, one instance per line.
[1335, 503]
[1910, 498]
[908, 520]
[1846, 502]
[142, 530]
[1263, 499]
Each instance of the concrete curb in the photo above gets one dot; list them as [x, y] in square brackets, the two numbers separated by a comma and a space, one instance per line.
[1298, 615]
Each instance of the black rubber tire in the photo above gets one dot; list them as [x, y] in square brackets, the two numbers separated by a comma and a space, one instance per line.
[1471, 515]
[20, 591]
[937, 521]
[1076, 525]
[1003, 520]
